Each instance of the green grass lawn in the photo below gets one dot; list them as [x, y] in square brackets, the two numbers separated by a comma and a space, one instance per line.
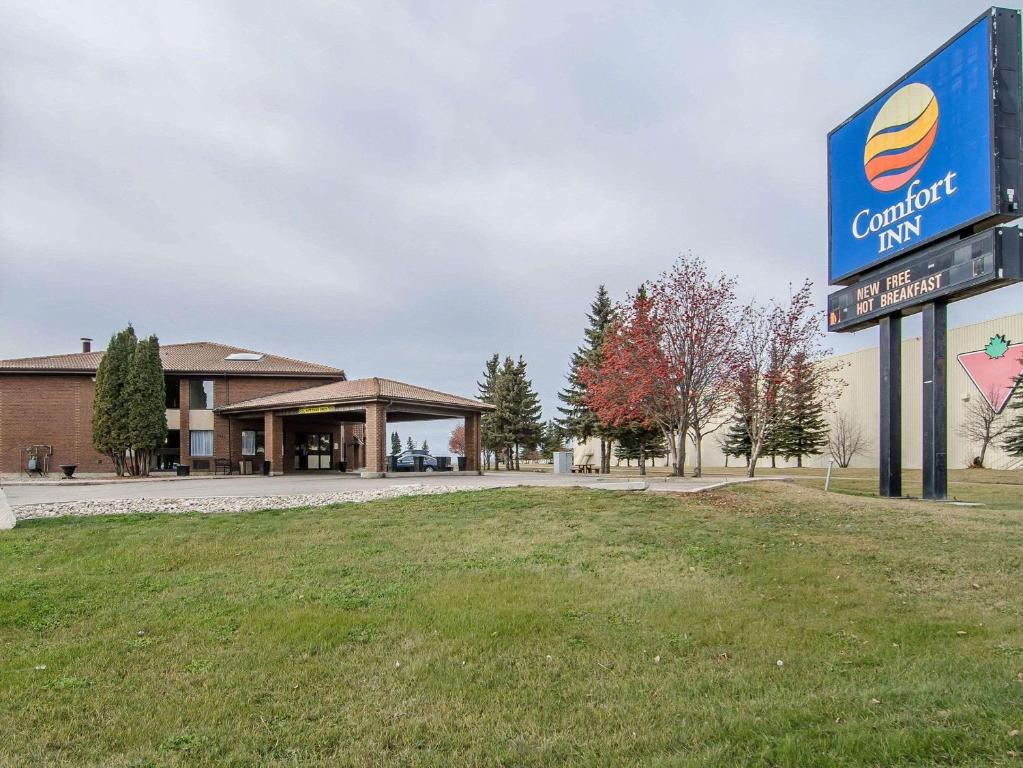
[519, 627]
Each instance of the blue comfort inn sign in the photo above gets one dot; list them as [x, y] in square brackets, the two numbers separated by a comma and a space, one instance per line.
[917, 162]
[918, 179]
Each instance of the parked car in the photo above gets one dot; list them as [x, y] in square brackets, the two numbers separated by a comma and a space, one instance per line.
[406, 461]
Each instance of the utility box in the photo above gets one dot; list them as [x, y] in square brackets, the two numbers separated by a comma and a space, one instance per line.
[563, 462]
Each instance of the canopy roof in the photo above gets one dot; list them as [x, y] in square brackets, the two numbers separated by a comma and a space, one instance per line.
[358, 392]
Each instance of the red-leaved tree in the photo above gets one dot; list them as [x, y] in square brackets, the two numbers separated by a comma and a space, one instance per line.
[668, 359]
[456, 443]
[629, 386]
[695, 314]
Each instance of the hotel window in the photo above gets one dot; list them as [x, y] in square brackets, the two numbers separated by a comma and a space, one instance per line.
[200, 442]
[172, 388]
[200, 394]
[252, 442]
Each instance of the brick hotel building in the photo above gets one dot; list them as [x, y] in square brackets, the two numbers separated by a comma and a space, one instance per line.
[228, 408]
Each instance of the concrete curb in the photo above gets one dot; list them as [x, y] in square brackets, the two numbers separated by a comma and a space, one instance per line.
[628, 485]
[7, 519]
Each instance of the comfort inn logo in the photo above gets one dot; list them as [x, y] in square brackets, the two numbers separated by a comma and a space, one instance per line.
[901, 137]
[898, 143]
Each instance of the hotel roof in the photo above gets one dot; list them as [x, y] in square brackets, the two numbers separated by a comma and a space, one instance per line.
[197, 357]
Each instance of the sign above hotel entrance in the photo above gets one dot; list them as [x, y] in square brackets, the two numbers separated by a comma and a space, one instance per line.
[318, 409]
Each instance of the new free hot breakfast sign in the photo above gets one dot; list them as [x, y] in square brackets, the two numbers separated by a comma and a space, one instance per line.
[917, 162]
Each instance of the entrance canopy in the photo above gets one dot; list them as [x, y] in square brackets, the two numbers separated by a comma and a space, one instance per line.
[373, 402]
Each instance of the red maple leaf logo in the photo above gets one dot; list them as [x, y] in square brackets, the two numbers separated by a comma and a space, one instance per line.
[994, 370]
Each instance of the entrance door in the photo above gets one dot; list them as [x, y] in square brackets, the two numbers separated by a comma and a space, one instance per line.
[312, 450]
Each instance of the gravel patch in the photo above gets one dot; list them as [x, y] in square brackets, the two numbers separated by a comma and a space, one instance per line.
[220, 504]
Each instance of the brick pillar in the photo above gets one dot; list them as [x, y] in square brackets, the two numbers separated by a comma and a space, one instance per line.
[185, 448]
[376, 438]
[472, 442]
[273, 438]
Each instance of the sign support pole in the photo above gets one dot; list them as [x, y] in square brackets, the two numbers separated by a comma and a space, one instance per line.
[890, 442]
[935, 402]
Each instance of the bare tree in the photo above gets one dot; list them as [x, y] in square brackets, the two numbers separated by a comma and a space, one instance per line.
[982, 424]
[769, 339]
[846, 440]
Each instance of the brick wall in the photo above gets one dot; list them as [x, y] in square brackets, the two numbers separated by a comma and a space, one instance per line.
[50, 410]
[376, 437]
[56, 409]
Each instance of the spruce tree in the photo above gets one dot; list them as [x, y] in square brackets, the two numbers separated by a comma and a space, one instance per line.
[639, 443]
[395, 444]
[736, 441]
[553, 439]
[577, 419]
[515, 423]
[110, 428]
[626, 449]
[802, 429]
[409, 445]
[487, 393]
[503, 417]
[426, 446]
[1012, 443]
[528, 429]
[145, 406]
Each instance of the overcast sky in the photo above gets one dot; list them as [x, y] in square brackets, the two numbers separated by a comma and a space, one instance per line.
[403, 189]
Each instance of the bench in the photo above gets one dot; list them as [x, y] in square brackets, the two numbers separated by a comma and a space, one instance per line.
[222, 464]
[585, 467]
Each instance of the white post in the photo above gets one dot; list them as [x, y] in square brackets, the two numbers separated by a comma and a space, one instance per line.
[827, 482]
[7, 519]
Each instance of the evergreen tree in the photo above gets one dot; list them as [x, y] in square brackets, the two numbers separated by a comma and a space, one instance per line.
[525, 410]
[409, 445]
[110, 430]
[577, 419]
[1012, 443]
[515, 424]
[626, 450]
[426, 446]
[553, 439]
[489, 441]
[802, 429]
[395, 444]
[639, 443]
[736, 441]
[144, 404]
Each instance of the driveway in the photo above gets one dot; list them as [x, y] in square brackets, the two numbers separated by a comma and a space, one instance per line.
[23, 495]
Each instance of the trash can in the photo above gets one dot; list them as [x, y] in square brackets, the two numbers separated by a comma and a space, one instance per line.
[443, 463]
[184, 470]
[461, 463]
[266, 467]
[342, 466]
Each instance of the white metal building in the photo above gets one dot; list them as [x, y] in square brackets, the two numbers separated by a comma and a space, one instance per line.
[860, 398]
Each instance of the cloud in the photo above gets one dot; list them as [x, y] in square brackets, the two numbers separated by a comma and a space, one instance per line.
[403, 190]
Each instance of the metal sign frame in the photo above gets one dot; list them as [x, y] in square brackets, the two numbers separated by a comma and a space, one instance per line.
[949, 252]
